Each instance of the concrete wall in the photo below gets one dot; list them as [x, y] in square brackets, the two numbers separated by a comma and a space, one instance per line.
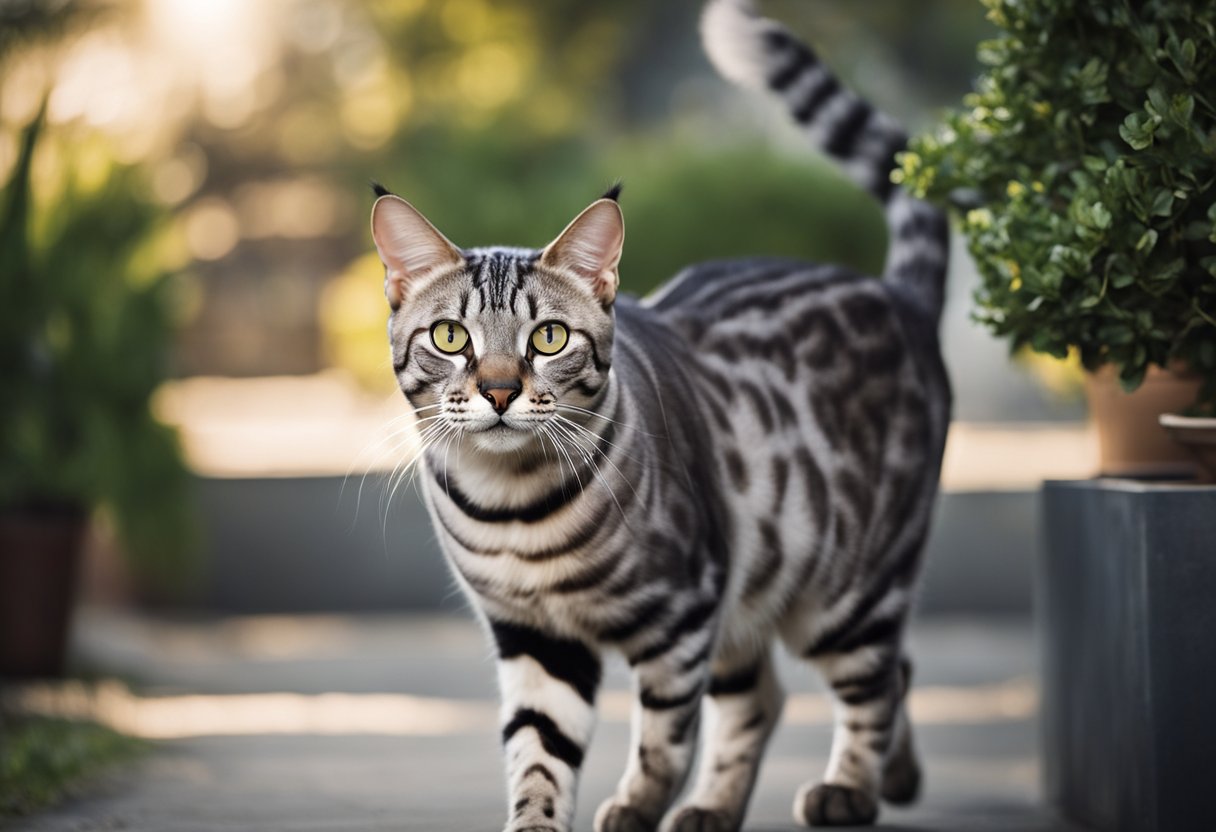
[312, 544]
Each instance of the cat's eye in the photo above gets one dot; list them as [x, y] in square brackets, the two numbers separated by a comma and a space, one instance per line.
[549, 338]
[449, 337]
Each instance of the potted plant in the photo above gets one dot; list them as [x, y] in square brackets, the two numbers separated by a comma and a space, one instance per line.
[1084, 171]
[84, 328]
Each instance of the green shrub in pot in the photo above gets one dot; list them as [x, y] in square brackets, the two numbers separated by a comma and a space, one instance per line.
[85, 328]
[1083, 168]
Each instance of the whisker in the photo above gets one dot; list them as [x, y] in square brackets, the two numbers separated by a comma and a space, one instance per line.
[583, 410]
[435, 435]
[593, 438]
[595, 469]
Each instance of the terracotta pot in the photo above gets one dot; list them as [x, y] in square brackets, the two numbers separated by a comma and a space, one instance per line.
[1131, 441]
[39, 557]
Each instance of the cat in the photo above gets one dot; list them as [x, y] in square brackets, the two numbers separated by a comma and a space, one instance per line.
[752, 452]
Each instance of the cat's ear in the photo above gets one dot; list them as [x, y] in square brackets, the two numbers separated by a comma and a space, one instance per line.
[590, 248]
[410, 247]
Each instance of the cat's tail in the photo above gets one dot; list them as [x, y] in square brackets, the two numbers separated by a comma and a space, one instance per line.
[759, 53]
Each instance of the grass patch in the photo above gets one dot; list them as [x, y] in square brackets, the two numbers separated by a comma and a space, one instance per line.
[42, 759]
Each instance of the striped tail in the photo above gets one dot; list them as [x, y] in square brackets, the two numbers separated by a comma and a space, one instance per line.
[759, 53]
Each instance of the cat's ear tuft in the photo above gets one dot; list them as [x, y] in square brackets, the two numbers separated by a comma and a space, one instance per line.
[409, 246]
[590, 248]
[614, 193]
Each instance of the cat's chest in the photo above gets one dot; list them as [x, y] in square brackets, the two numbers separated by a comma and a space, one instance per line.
[549, 561]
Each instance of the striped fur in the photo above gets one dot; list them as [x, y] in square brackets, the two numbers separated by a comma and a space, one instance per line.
[762, 54]
[751, 452]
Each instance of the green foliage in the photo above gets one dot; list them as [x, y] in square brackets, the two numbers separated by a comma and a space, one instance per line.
[1090, 148]
[684, 205]
[41, 759]
[25, 23]
[683, 202]
[85, 325]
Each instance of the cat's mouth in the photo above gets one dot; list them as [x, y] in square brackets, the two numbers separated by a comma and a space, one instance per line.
[500, 436]
[499, 425]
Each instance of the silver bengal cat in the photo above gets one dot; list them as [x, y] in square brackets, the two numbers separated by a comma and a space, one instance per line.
[752, 451]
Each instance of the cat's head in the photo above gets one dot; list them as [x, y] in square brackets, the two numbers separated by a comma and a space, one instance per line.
[493, 342]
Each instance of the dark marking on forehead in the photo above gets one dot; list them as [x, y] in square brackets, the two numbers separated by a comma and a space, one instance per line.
[499, 274]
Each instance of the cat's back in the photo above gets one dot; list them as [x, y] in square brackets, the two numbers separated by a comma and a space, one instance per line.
[799, 318]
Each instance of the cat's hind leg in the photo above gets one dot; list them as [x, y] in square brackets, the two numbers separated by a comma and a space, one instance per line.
[866, 677]
[901, 773]
[745, 700]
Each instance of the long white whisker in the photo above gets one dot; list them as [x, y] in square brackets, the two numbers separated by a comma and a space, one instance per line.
[577, 409]
[592, 438]
[595, 468]
[398, 438]
[438, 433]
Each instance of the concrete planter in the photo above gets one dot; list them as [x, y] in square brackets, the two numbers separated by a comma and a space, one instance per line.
[1127, 606]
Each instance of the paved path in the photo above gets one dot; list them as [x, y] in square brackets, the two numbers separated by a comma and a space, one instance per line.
[975, 701]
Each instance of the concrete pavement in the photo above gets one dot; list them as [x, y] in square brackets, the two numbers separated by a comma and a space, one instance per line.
[975, 706]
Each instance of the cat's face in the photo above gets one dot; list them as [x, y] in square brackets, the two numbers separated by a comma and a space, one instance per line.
[494, 345]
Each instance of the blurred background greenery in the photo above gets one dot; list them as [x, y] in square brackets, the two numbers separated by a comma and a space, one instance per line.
[257, 125]
[239, 139]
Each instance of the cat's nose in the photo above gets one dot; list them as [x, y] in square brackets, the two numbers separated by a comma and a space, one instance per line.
[500, 392]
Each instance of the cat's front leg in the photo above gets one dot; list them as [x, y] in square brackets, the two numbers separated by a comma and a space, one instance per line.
[548, 708]
[666, 716]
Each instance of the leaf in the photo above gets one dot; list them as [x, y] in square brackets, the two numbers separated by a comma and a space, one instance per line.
[1163, 203]
[1197, 230]
[1182, 108]
[1071, 260]
[1101, 216]
[1095, 164]
[1147, 240]
[1134, 132]
[1170, 271]
[1131, 377]
[1157, 105]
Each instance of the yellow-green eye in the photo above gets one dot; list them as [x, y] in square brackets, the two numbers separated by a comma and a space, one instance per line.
[549, 338]
[450, 336]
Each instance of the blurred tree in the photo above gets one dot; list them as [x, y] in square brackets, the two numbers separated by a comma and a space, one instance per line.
[498, 119]
[85, 319]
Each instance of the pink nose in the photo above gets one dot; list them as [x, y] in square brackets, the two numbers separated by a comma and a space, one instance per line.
[500, 397]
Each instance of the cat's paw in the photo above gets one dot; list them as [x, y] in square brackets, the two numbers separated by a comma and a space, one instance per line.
[901, 780]
[828, 804]
[700, 819]
[614, 816]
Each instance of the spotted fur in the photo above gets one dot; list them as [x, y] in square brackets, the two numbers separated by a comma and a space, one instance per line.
[751, 452]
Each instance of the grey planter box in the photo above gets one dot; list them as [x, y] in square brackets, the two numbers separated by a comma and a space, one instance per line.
[1127, 603]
